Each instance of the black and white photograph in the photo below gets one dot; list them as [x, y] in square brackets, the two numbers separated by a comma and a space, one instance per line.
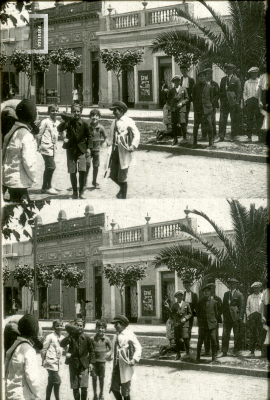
[134, 201]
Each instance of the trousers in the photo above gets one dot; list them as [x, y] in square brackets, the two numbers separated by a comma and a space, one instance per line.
[227, 327]
[234, 112]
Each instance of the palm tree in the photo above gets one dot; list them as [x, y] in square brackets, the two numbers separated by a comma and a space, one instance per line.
[243, 254]
[241, 40]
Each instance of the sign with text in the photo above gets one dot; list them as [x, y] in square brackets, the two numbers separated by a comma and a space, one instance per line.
[148, 300]
[145, 85]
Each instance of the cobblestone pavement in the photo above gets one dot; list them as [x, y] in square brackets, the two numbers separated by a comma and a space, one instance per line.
[160, 174]
[163, 383]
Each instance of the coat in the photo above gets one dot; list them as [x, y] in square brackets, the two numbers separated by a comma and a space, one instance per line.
[126, 370]
[191, 83]
[194, 302]
[19, 157]
[207, 313]
[219, 307]
[204, 94]
[49, 136]
[86, 351]
[78, 134]
[175, 98]
[230, 92]
[51, 352]
[179, 312]
[215, 88]
[233, 309]
[129, 132]
[22, 379]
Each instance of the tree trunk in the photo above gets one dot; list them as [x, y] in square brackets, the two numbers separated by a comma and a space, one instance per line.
[122, 301]
[66, 92]
[119, 88]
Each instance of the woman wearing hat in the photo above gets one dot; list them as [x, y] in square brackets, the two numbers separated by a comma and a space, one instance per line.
[21, 366]
[126, 352]
[126, 138]
[19, 153]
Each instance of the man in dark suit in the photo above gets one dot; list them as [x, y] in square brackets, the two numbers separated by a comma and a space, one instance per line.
[81, 358]
[215, 87]
[202, 103]
[180, 314]
[233, 313]
[188, 83]
[192, 299]
[177, 100]
[212, 287]
[207, 314]
[230, 97]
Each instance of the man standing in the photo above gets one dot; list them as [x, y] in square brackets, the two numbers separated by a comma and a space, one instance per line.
[254, 317]
[215, 87]
[78, 142]
[207, 321]
[177, 100]
[233, 312]
[192, 299]
[181, 313]
[81, 357]
[230, 96]
[251, 101]
[212, 287]
[188, 83]
[202, 102]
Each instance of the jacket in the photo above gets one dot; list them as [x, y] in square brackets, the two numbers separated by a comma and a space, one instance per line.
[233, 308]
[51, 352]
[128, 131]
[78, 134]
[19, 157]
[179, 312]
[22, 381]
[219, 308]
[215, 88]
[230, 91]
[175, 98]
[120, 344]
[49, 136]
[203, 94]
[191, 83]
[194, 302]
[81, 349]
[207, 313]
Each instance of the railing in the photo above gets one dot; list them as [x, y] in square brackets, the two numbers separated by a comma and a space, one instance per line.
[165, 231]
[125, 21]
[159, 16]
[128, 236]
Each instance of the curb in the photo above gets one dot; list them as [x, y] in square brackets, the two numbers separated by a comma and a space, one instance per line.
[205, 153]
[209, 368]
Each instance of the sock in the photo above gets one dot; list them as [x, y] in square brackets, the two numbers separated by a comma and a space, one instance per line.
[73, 179]
[82, 180]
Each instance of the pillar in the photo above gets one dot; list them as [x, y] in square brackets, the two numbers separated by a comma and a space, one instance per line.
[89, 290]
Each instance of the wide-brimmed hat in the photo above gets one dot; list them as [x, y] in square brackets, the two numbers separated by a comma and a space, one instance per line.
[26, 111]
[256, 284]
[176, 77]
[178, 292]
[119, 104]
[253, 69]
[122, 319]
[28, 326]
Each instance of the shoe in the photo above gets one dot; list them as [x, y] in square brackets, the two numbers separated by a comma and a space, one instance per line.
[203, 139]
[119, 195]
[43, 190]
[219, 140]
[95, 397]
[96, 185]
[75, 195]
[51, 191]
[184, 141]
[194, 146]
[252, 354]
[224, 355]
[101, 397]
[82, 196]
[207, 353]
[197, 361]
[178, 357]
[175, 142]
[248, 140]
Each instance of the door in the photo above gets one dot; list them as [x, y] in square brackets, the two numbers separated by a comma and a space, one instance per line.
[43, 302]
[98, 296]
[95, 82]
[40, 87]
[165, 76]
[131, 303]
[128, 88]
[167, 291]
[5, 85]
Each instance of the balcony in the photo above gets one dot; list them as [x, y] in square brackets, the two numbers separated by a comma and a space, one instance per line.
[125, 21]
[128, 236]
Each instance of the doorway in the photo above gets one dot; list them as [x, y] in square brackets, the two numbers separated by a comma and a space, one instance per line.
[95, 82]
[98, 296]
[167, 292]
[165, 76]
[43, 302]
[128, 88]
[40, 87]
[131, 303]
[78, 84]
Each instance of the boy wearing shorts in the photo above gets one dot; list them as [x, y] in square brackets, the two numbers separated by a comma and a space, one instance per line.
[102, 345]
[98, 133]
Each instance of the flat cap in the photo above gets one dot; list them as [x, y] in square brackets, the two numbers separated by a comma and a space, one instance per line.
[233, 280]
[184, 66]
[120, 318]
[178, 292]
[119, 104]
[186, 280]
[176, 77]
[230, 66]
[208, 286]
[208, 70]
[256, 284]
[202, 72]
[253, 69]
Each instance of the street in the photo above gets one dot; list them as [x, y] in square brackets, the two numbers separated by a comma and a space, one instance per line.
[165, 383]
[160, 174]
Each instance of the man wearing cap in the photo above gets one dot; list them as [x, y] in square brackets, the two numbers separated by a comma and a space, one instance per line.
[215, 87]
[180, 314]
[230, 96]
[177, 100]
[192, 299]
[251, 101]
[233, 313]
[202, 103]
[207, 315]
[253, 310]
[126, 352]
[188, 83]
[78, 143]
[212, 287]
[125, 139]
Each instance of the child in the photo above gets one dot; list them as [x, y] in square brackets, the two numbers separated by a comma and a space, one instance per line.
[103, 347]
[98, 133]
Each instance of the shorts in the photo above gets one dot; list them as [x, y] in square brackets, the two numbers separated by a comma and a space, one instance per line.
[78, 377]
[100, 369]
[182, 118]
[95, 158]
[75, 161]
[117, 386]
[117, 174]
[49, 162]
[54, 377]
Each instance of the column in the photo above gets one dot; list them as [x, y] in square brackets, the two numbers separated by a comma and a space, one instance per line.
[139, 300]
[89, 290]
[155, 79]
[112, 301]
[136, 88]
[110, 89]
[158, 295]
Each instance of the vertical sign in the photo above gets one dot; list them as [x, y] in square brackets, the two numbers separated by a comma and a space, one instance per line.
[148, 300]
[145, 85]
